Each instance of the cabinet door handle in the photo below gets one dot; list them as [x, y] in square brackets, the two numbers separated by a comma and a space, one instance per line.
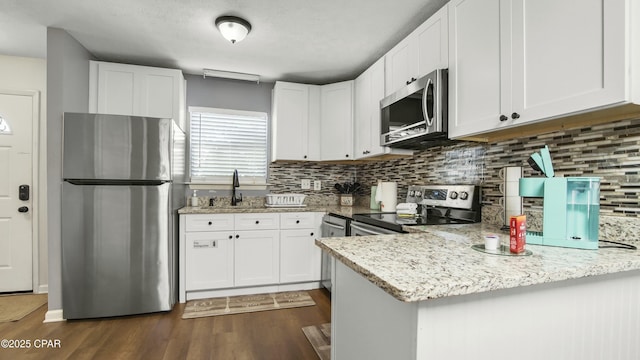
[311, 234]
[230, 236]
[304, 157]
[347, 155]
[237, 236]
[210, 223]
[515, 116]
[408, 82]
[503, 118]
[257, 222]
[297, 221]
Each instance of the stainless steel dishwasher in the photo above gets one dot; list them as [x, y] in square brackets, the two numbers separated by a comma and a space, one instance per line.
[332, 226]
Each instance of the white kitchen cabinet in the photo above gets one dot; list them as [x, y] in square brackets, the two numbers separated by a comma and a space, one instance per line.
[124, 89]
[336, 121]
[423, 51]
[295, 122]
[243, 253]
[210, 222]
[368, 91]
[300, 258]
[517, 62]
[256, 221]
[297, 247]
[256, 257]
[210, 264]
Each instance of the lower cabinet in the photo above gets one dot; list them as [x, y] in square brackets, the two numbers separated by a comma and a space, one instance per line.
[226, 254]
[256, 257]
[299, 256]
[210, 264]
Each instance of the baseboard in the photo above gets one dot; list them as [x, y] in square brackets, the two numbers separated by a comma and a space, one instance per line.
[53, 316]
[204, 294]
[43, 289]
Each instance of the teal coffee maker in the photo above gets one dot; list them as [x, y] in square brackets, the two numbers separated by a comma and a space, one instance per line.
[571, 206]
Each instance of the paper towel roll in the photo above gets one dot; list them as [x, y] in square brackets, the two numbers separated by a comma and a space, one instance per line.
[389, 196]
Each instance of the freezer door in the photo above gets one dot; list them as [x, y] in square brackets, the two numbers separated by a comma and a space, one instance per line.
[116, 147]
[118, 255]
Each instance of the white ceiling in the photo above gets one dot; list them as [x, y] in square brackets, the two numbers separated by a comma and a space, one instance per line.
[317, 42]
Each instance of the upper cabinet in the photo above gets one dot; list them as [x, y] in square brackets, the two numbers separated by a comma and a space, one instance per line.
[312, 122]
[336, 121]
[521, 61]
[424, 50]
[123, 89]
[295, 122]
[369, 90]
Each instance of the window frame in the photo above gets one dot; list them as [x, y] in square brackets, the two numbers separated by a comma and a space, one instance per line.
[223, 182]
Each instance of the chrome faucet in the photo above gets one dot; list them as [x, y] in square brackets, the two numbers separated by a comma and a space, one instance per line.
[236, 183]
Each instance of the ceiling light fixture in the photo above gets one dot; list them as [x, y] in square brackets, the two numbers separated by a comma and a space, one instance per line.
[233, 28]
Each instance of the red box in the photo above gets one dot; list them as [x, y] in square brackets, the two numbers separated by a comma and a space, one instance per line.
[517, 233]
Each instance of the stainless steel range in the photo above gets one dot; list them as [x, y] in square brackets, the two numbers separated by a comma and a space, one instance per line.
[436, 205]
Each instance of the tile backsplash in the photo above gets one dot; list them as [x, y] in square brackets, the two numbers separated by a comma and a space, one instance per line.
[609, 151]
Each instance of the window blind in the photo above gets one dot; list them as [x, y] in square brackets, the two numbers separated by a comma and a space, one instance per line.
[223, 140]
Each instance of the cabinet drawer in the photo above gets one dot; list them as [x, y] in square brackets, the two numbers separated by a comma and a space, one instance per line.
[297, 220]
[257, 221]
[209, 222]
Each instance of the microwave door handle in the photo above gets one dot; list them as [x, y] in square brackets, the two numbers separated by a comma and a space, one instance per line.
[425, 105]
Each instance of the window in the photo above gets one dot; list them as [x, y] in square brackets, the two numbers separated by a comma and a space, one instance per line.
[4, 126]
[223, 140]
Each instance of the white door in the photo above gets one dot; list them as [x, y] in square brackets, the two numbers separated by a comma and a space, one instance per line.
[291, 118]
[256, 257]
[17, 113]
[299, 256]
[479, 66]
[336, 130]
[551, 78]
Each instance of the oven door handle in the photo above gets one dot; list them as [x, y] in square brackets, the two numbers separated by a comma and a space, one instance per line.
[365, 230]
[333, 225]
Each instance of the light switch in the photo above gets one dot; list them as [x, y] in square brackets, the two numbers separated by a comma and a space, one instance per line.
[317, 185]
[306, 184]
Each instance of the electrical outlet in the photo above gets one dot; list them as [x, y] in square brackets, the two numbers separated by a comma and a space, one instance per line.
[306, 184]
[317, 185]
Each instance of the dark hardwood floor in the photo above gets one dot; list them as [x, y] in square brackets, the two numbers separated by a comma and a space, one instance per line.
[273, 334]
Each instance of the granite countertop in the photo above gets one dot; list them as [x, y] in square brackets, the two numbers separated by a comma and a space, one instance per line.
[438, 261]
[346, 211]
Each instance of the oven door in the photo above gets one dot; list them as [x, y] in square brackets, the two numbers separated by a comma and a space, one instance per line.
[362, 229]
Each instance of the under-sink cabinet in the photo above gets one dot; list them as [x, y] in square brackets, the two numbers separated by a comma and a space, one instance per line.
[244, 253]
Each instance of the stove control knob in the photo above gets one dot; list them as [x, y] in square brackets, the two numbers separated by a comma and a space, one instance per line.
[418, 193]
[453, 195]
[464, 195]
[412, 193]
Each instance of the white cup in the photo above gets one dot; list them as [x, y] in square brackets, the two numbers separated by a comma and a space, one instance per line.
[491, 242]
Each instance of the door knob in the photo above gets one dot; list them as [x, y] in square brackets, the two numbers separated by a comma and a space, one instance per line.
[23, 209]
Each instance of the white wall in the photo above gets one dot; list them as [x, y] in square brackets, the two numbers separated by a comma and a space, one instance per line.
[21, 73]
[68, 88]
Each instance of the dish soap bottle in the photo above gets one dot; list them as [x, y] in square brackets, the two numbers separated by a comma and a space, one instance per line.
[194, 199]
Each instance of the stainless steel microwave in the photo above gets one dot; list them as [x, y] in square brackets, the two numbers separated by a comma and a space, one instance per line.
[415, 117]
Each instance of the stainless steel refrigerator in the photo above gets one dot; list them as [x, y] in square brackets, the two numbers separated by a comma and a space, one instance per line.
[123, 181]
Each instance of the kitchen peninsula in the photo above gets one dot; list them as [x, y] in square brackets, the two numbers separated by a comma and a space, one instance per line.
[429, 295]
